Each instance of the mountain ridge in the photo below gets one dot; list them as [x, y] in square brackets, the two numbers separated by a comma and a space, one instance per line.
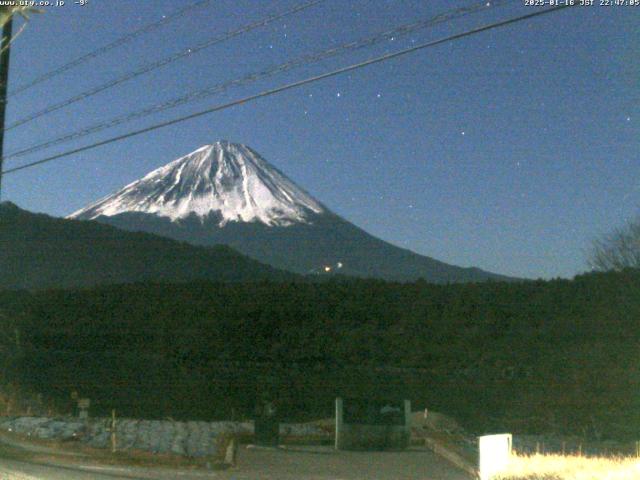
[39, 251]
[226, 178]
[220, 203]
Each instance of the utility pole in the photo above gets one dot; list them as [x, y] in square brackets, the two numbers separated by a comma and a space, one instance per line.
[4, 78]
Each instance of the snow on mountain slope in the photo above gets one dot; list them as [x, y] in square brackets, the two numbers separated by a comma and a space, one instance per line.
[227, 194]
[228, 180]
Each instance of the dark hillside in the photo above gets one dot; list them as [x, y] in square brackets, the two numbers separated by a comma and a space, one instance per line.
[529, 357]
[38, 251]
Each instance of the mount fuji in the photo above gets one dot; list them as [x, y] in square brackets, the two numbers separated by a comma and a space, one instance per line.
[226, 193]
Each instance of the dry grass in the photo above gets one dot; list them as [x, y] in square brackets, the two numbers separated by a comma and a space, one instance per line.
[571, 467]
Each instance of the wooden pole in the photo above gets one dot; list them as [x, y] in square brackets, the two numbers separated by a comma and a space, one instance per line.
[114, 440]
[4, 79]
[339, 424]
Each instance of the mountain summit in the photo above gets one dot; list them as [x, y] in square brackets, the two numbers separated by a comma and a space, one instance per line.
[226, 193]
[227, 181]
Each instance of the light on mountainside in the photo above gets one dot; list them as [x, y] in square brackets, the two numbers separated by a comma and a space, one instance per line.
[227, 193]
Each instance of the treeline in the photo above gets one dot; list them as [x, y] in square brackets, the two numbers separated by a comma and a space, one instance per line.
[529, 357]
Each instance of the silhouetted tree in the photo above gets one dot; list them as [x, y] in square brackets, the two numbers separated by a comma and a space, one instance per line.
[617, 250]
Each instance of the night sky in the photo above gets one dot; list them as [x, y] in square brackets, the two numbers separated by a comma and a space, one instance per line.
[509, 150]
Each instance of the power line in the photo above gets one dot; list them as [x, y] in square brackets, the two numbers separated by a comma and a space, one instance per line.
[110, 46]
[270, 71]
[7, 44]
[290, 86]
[162, 62]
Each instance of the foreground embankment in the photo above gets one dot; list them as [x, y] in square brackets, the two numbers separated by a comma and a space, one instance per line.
[192, 439]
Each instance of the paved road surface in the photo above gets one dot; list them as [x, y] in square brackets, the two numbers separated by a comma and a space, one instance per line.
[18, 470]
[315, 463]
[324, 464]
[22, 470]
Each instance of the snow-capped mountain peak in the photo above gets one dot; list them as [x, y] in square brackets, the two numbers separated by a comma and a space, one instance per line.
[227, 180]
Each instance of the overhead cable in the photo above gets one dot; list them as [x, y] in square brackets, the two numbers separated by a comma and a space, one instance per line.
[291, 86]
[110, 46]
[270, 71]
[162, 62]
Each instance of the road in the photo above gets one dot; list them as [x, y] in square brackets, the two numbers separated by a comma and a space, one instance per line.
[315, 463]
[319, 463]
[22, 470]
[19, 470]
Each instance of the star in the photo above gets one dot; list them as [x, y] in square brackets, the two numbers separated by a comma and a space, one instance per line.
[462, 133]
[338, 94]
[628, 119]
[379, 95]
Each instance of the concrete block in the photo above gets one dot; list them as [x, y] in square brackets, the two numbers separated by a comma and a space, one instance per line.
[495, 454]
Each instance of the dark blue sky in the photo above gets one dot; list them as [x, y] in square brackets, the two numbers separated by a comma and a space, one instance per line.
[509, 150]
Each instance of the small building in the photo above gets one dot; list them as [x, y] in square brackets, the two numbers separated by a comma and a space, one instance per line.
[366, 424]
